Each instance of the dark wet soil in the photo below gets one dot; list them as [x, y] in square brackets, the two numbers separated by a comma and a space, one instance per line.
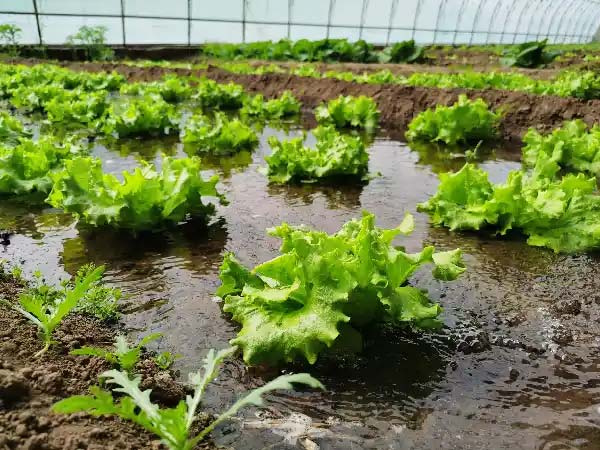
[30, 385]
[398, 104]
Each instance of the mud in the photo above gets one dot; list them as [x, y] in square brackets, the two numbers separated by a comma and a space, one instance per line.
[398, 104]
[29, 386]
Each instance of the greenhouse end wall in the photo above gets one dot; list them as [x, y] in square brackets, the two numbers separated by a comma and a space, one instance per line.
[192, 22]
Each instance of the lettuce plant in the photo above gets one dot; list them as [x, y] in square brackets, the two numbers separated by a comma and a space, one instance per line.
[11, 129]
[77, 106]
[28, 166]
[402, 52]
[220, 136]
[147, 115]
[467, 121]
[349, 112]
[275, 109]
[528, 54]
[173, 426]
[560, 213]
[334, 155]
[48, 316]
[123, 356]
[145, 200]
[324, 288]
[171, 88]
[578, 148]
[210, 94]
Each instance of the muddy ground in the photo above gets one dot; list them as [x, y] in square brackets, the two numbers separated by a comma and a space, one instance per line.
[29, 386]
[398, 104]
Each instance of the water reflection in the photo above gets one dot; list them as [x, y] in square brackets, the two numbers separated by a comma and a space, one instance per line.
[194, 246]
[337, 197]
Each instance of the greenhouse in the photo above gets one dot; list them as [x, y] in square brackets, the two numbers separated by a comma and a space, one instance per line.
[317, 224]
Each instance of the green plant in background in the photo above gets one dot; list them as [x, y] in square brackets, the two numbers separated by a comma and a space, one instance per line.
[577, 146]
[220, 136]
[324, 288]
[466, 121]
[172, 425]
[349, 112]
[334, 155]
[93, 42]
[146, 199]
[48, 315]
[403, 52]
[123, 356]
[278, 108]
[142, 116]
[28, 166]
[528, 54]
[9, 37]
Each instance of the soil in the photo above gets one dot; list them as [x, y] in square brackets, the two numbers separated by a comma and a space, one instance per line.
[29, 386]
[398, 104]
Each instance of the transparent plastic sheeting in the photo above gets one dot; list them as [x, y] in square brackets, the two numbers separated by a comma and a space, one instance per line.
[189, 22]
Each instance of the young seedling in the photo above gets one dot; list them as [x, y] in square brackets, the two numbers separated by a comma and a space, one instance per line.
[172, 425]
[48, 316]
[123, 356]
[165, 360]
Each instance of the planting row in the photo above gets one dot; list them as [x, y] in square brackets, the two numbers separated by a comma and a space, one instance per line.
[148, 198]
[583, 84]
[551, 209]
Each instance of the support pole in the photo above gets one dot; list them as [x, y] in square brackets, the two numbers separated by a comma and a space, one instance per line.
[391, 21]
[123, 23]
[37, 21]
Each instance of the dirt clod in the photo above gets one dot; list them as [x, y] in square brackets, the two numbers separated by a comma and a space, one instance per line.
[13, 386]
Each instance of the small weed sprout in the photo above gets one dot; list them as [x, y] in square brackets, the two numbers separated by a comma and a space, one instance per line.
[123, 356]
[172, 425]
[47, 315]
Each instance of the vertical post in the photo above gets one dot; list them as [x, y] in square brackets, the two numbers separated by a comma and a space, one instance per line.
[529, 24]
[417, 14]
[569, 24]
[329, 14]
[391, 21]
[475, 19]
[592, 28]
[552, 17]
[461, 10]
[493, 16]
[510, 8]
[189, 17]
[437, 20]
[543, 15]
[562, 20]
[289, 17]
[362, 19]
[123, 23]
[244, 21]
[37, 21]
[583, 17]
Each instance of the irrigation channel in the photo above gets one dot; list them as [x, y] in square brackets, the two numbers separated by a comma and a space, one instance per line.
[517, 364]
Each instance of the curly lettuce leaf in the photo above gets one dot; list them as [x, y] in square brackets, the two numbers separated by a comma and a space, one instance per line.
[144, 200]
[334, 155]
[349, 112]
[324, 288]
